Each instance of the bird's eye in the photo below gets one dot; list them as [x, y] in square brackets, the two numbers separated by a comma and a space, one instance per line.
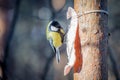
[53, 28]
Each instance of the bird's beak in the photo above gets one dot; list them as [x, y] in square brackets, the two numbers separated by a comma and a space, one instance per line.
[62, 31]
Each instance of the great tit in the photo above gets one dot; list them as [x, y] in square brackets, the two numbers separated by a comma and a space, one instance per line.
[55, 36]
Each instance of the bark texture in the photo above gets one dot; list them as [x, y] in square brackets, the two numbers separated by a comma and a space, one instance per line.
[94, 37]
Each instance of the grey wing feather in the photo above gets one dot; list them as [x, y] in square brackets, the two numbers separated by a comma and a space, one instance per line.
[51, 44]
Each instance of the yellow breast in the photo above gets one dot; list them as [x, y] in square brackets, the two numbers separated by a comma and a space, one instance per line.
[56, 39]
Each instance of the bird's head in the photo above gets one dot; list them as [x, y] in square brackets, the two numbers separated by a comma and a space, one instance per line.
[55, 26]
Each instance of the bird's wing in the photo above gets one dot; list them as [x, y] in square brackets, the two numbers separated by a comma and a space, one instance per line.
[56, 50]
[51, 44]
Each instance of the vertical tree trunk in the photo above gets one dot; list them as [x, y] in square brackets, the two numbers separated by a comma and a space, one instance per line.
[94, 35]
[3, 31]
[5, 14]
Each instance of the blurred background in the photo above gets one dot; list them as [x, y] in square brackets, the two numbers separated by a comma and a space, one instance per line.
[29, 55]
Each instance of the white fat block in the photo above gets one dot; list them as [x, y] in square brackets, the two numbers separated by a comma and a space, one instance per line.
[71, 39]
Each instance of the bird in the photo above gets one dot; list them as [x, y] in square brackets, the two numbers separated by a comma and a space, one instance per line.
[55, 36]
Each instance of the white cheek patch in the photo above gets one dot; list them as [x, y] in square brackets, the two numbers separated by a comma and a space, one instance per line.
[53, 28]
[71, 39]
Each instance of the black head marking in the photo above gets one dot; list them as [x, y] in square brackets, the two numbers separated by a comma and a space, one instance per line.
[55, 26]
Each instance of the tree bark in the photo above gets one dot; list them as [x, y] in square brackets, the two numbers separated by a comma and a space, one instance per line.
[93, 39]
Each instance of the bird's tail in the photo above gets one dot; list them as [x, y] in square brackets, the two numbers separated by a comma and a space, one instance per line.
[57, 55]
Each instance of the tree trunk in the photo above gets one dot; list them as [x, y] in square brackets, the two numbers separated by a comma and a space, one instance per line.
[5, 13]
[93, 36]
[3, 31]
